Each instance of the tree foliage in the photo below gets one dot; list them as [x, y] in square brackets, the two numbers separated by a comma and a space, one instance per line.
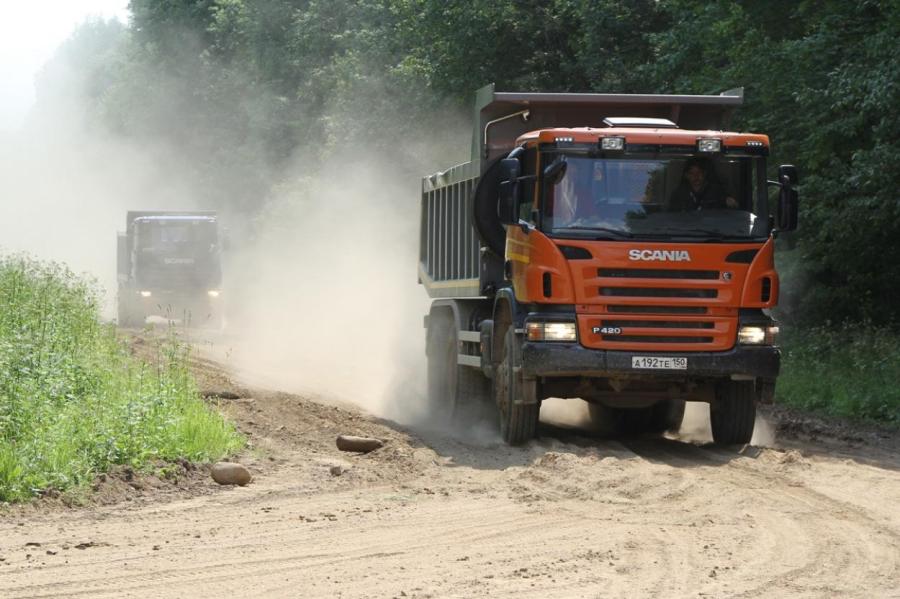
[242, 87]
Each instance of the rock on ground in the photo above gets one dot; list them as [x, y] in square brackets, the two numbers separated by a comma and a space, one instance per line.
[230, 473]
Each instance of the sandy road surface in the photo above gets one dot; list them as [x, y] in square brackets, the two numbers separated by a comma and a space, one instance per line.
[427, 516]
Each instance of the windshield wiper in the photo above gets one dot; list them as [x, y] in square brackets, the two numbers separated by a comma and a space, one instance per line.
[607, 230]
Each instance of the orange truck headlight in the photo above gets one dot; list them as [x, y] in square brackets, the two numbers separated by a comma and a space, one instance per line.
[757, 334]
[551, 331]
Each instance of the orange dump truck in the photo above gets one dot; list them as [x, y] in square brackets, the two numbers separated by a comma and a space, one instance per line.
[617, 248]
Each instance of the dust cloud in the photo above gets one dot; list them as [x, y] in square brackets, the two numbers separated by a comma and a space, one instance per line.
[66, 182]
[572, 413]
[65, 193]
[324, 300]
[320, 280]
[695, 426]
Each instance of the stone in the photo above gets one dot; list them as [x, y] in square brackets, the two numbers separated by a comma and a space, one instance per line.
[230, 473]
[220, 394]
[358, 444]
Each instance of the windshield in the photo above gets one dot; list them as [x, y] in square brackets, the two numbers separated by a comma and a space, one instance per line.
[658, 198]
[170, 235]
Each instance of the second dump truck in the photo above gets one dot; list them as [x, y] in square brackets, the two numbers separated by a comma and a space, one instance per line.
[617, 248]
[169, 265]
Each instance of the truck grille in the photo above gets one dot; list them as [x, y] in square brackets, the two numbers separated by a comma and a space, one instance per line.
[695, 311]
[654, 339]
[659, 324]
[654, 273]
[656, 292]
[656, 309]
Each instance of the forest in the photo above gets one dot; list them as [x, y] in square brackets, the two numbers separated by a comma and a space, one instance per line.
[257, 95]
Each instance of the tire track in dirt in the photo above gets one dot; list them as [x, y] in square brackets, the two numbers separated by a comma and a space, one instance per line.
[568, 515]
[838, 533]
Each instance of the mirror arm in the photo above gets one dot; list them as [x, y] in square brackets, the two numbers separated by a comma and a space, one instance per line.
[525, 226]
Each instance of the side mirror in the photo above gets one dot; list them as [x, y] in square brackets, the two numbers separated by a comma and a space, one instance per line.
[788, 199]
[554, 172]
[788, 172]
[510, 192]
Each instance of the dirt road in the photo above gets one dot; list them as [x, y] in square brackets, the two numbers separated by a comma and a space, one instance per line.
[569, 515]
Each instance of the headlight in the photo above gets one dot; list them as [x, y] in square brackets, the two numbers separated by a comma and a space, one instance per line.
[710, 144]
[213, 293]
[551, 331]
[757, 335]
[146, 293]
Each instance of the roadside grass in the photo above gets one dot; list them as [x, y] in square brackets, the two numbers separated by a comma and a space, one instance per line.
[851, 371]
[74, 401]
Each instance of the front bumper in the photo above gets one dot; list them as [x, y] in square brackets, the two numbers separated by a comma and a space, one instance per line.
[197, 306]
[571, 359]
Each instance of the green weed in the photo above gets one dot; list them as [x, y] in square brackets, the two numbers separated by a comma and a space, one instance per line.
[850, 371]
[73, 401]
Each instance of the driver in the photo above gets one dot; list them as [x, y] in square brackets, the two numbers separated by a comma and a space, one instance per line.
[697, 192]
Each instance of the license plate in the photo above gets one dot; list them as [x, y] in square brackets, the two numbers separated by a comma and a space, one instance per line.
[654, 363]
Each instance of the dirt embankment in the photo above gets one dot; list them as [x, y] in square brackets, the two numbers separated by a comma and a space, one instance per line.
[569, 515]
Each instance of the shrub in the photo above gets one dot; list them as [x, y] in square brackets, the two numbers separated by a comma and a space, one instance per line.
[851, 370]
[73, 401]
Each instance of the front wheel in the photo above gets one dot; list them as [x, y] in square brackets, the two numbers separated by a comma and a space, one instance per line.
[733, 413]
[515, 394]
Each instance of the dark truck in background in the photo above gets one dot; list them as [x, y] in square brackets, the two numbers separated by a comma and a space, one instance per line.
[169, 265]
[579, 254]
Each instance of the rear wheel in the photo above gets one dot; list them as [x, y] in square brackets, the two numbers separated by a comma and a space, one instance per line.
[515, 394]
[454, 392]
[733, 413]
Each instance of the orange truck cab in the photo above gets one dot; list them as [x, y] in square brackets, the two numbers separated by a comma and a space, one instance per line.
[617, 248]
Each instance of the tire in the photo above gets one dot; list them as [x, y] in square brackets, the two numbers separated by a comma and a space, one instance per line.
[733, 414]
[455, 392]
[515, 396]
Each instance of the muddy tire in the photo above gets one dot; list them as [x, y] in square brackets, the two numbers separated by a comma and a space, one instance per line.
[733, 414]
[455, 392]
[514, 394]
